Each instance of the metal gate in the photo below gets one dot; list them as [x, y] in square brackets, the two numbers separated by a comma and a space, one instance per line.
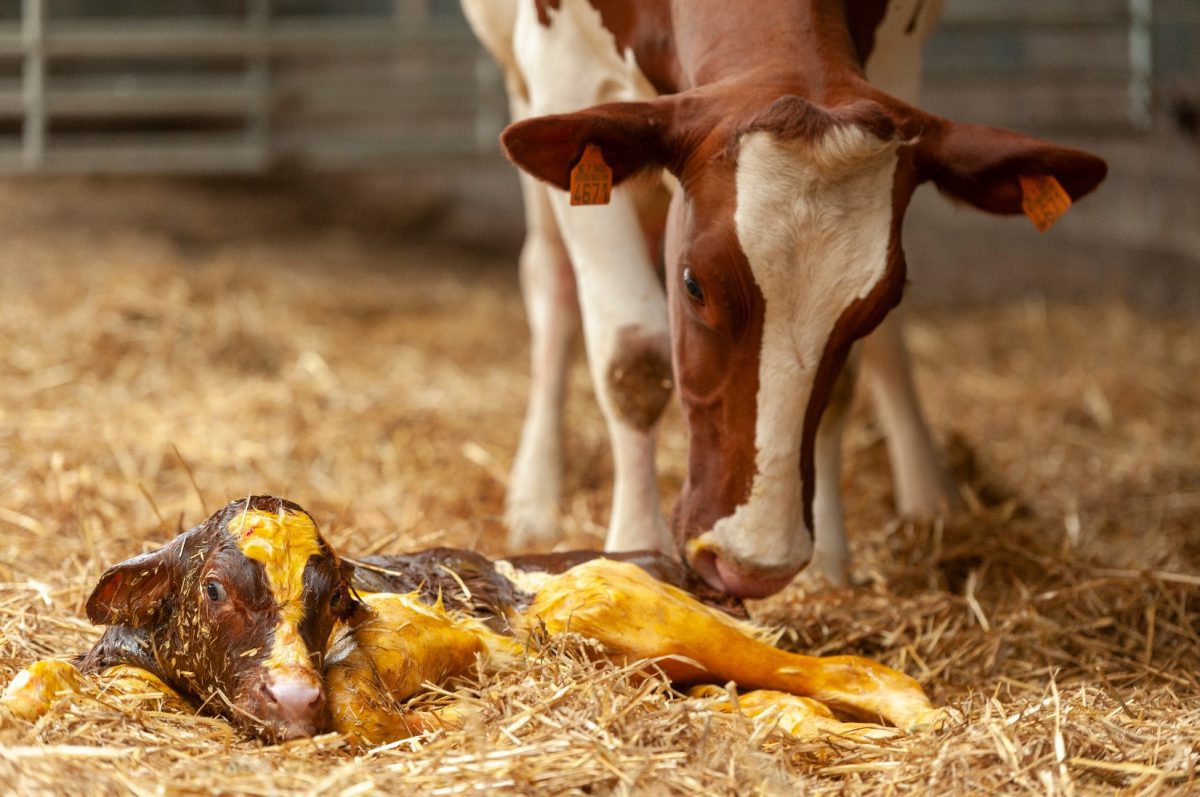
[240, 86]
[244, 85]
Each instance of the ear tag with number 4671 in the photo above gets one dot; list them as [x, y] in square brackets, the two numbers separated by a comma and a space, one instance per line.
[591, 179]
[1043, 199]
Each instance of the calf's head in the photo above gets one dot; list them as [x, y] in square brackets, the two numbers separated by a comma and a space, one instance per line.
[237, 612]
[783, 247]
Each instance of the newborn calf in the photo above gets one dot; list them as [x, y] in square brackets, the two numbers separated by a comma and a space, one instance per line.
[253, 616]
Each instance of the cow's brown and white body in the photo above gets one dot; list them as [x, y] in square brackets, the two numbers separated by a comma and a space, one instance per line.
[789, 174]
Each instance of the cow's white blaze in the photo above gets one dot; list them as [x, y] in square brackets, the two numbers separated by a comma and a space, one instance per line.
[814, 220]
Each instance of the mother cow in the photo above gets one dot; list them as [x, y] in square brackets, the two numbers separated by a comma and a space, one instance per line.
[791, 175]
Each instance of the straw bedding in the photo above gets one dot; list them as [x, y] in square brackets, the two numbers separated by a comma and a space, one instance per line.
[168, 346]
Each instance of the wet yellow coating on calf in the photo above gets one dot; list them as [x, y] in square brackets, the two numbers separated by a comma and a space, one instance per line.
[35, 689]
[386, 659]
[128, 679]
[801, 717]
[636, 617]
[283, 542]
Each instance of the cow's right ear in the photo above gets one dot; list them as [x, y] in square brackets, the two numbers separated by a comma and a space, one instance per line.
[632, 137]
[131, 592]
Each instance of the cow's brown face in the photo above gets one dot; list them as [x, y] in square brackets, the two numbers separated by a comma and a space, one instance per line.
[783, 248]
[239, 611]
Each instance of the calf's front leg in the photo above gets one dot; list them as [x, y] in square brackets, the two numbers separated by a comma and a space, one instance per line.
[389, 655]
[34, 690]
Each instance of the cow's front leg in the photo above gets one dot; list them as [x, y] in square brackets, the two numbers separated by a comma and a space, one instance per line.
[628, 346]
[548, 288]
[831, 554]
[923, 488]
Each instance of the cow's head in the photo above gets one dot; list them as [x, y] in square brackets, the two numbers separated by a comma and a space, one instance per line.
[238, 612]
[783, 247]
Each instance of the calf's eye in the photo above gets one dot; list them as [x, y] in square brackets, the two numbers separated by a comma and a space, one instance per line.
[214, 591]
[335, 600]
[692, 285]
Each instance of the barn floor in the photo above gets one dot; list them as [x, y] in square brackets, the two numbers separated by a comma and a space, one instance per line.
[168, 346]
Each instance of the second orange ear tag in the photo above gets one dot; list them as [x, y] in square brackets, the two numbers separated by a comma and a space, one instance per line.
[1044, 200]
[591, 179]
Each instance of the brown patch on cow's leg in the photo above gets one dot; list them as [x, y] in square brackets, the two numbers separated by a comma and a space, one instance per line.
[639, 377]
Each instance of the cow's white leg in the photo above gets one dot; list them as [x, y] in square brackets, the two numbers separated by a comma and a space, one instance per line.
[548, 288]
[571, 63]
[629, 355]
[831, 554]
[923, 488]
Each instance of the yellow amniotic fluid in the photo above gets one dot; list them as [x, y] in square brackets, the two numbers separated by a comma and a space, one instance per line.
[283, 542]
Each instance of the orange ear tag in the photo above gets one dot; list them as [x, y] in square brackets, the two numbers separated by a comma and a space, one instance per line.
[1043, 200]
[591, 179]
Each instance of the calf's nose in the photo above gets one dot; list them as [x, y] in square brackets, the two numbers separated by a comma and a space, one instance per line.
[294, 698]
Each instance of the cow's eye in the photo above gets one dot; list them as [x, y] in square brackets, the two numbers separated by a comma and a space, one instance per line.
[335, 600]
[692, 285]
[214, 591]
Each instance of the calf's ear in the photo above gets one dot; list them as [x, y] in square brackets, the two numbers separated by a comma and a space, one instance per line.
[984, 165]
[131, 592]
[352, 610]
[632, 137]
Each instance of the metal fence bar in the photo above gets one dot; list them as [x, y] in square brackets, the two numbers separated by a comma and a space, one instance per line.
[33, 83]
[258, 77]
[1141, 63]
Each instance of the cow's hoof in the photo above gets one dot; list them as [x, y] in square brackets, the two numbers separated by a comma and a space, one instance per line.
[531, 526]
[824, 573]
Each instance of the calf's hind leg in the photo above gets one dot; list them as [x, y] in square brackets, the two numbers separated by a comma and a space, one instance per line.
[637, 617]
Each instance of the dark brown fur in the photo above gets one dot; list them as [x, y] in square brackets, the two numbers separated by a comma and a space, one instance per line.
[639, 379]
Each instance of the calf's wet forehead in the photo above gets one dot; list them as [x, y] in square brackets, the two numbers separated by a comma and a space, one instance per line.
[283, 543]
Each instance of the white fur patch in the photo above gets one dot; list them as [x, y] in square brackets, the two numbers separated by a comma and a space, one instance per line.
[574, 63]
[894, 64]
[814, 219]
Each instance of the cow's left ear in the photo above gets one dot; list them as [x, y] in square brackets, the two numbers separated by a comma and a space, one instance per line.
[983, 165]
[632, 137]
[131, 592]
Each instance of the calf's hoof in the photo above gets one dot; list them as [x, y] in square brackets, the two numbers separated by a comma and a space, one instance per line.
[34, 689]
[934, 720]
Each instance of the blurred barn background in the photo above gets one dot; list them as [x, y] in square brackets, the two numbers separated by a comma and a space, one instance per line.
[270, 246]
[397, 92]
